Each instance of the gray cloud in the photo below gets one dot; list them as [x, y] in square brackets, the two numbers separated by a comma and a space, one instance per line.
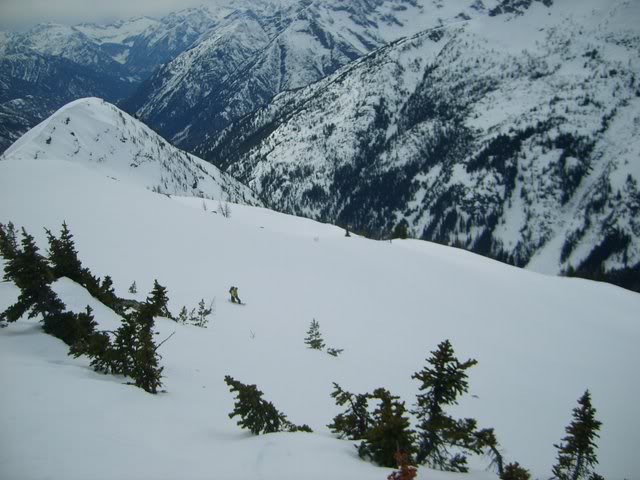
[20, 14]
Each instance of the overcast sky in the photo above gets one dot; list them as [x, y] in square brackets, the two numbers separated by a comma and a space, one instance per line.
[20, 14]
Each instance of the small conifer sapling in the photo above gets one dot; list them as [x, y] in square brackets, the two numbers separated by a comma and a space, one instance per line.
[442, 381]
[314, 339]
[577, 451]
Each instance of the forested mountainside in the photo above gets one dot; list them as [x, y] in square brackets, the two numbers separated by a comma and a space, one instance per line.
[513, 135]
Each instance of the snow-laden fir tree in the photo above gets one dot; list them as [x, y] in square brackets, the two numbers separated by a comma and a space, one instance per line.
[314, 339]
[577, 452]
[442, 381]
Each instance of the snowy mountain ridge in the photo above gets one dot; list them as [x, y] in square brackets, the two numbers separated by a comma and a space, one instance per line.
[51, 64]
[263, 49]
[97, 135]
[512, 134]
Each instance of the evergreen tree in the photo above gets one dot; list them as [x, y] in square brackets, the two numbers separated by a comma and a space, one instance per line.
[133, 288]
[132, 353]
[65, 263]
[147, 371]
[442, 382]
[123, 351]
[355, 422]
[314, 339]
[8, 241]
[202, 313]
[31, 274]
[97, 346]
[486, 441]
[401, 230]
[389, 432]
[258, 415]
[158, 301]
[577, 452]
[70, 327]
[106, 287]
[183, 316]
[513, 471]
[64, 256]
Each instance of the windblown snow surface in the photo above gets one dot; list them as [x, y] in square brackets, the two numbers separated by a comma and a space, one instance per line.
[540, 341]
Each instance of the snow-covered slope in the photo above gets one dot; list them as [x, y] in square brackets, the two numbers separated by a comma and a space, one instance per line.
[99, 136]
[540, 341]
[514, 134]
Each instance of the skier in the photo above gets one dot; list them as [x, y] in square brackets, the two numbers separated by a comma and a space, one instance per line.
[234, 295]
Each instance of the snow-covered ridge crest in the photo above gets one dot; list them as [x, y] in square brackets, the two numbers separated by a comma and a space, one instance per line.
[94, 133]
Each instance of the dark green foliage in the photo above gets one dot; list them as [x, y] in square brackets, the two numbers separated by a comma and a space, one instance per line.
[314, 339]
[70, 327]
[31, 274]
[389, 431]
[442, 381]
[577, 452]
[97, 346]
[122, 353]
[257, 415]
[132, 353]
[183, 316]
[203, 312]
[486, 441]
[133, 288]
[8, 241]
[355, 422]
[106, 287]
[513, 471]
[158, 301]
[334, 352]
[401, 230]
[65, 263]
[146, 372]
[64, 256]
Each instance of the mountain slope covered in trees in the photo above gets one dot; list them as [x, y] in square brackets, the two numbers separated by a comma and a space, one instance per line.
[513, 134]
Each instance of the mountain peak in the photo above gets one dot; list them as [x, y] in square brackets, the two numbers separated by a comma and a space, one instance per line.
[100, 136]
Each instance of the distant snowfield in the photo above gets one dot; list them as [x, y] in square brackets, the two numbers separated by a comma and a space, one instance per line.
[540, 341]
